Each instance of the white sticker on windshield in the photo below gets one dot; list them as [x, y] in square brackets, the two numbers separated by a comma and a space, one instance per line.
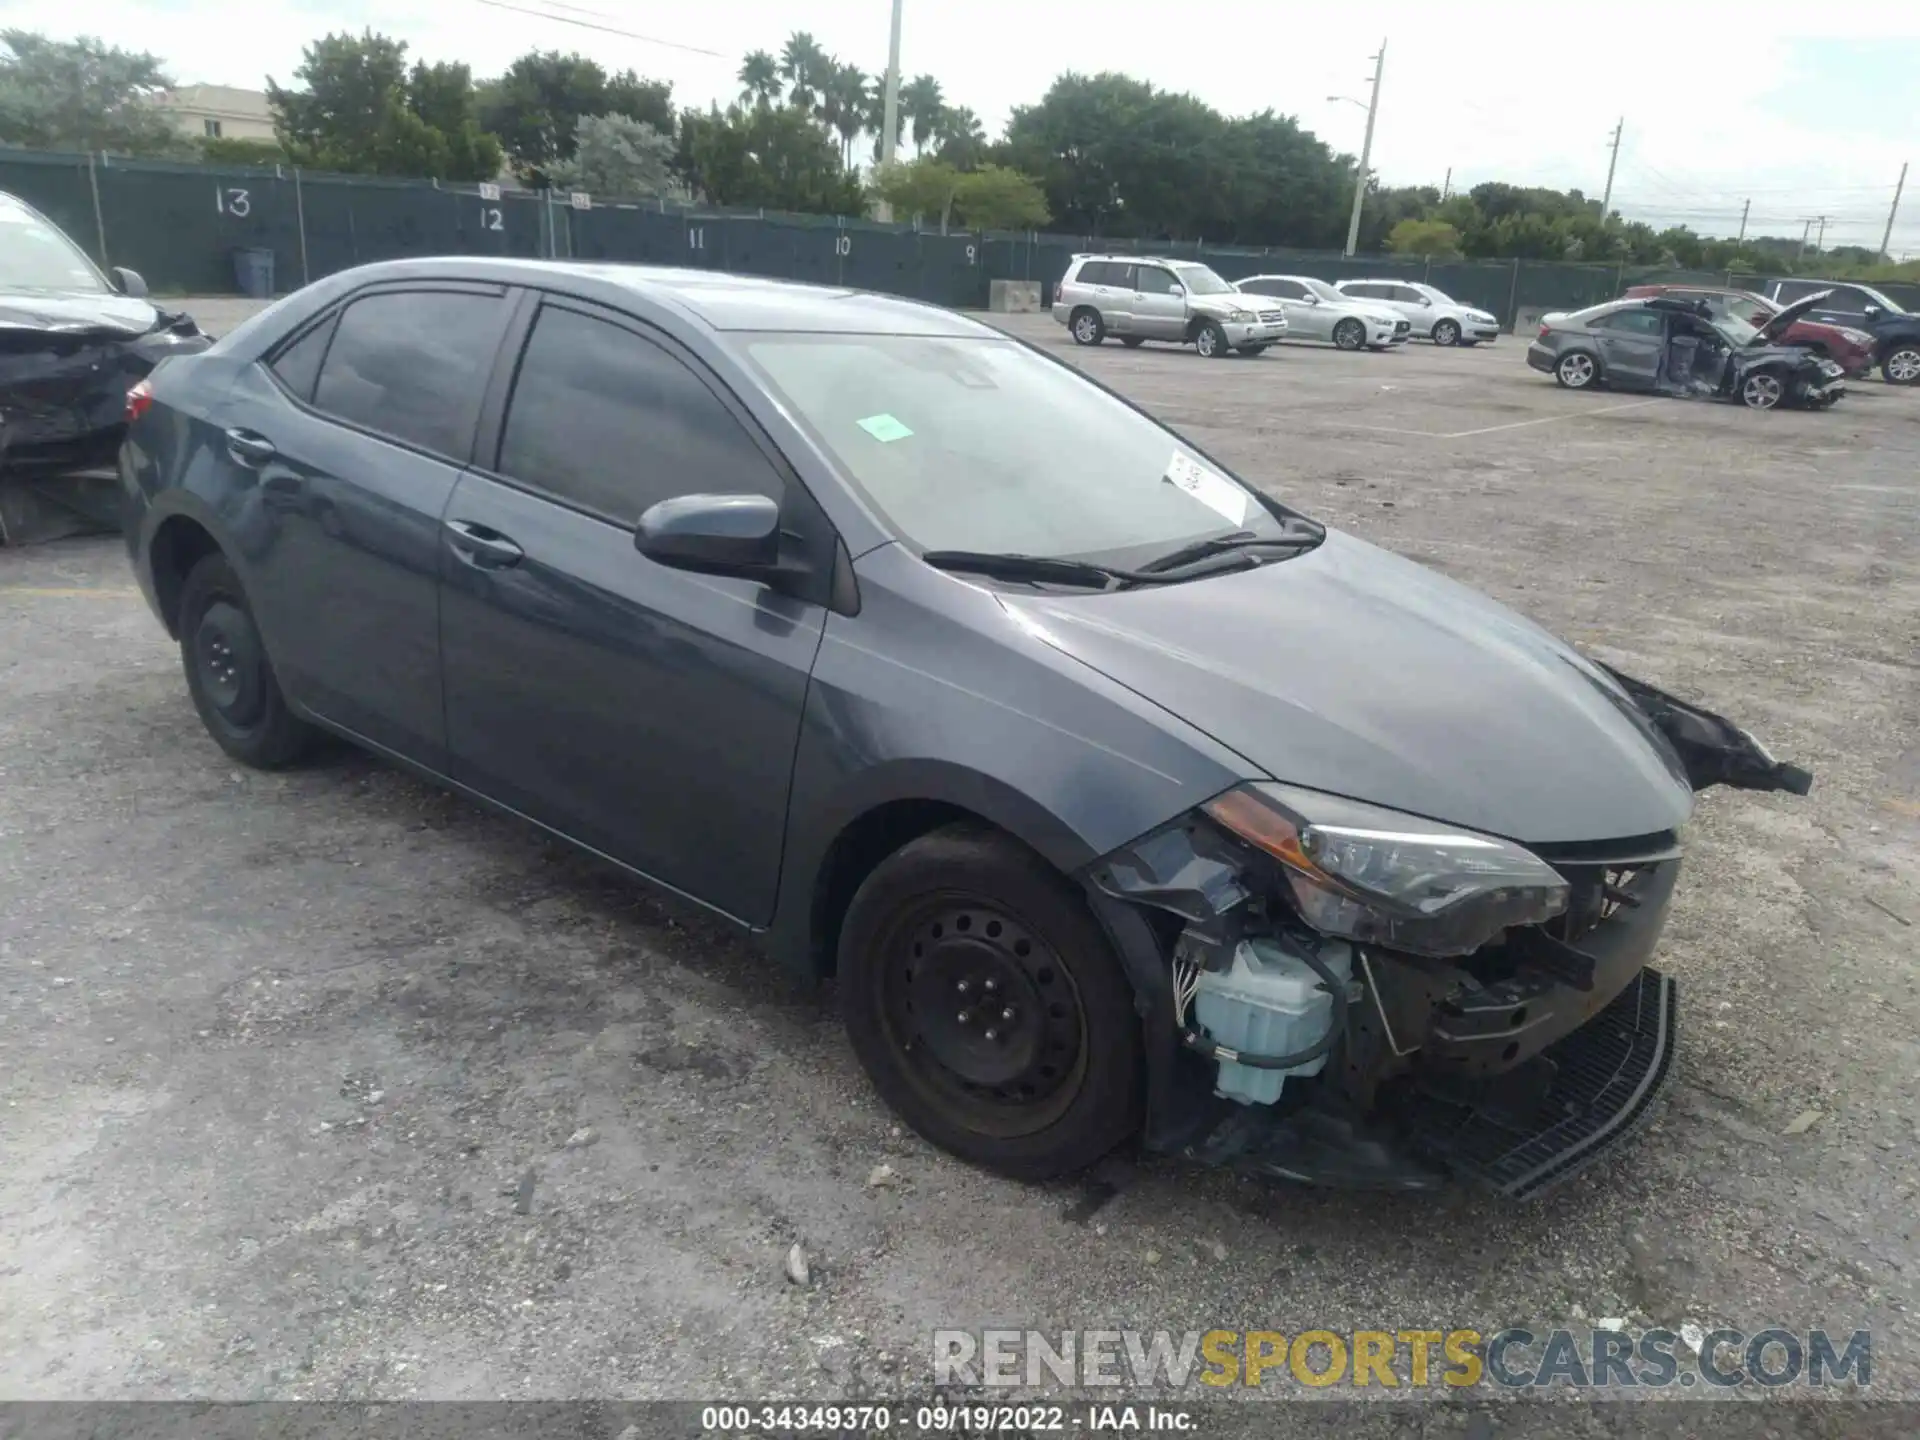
[1212, 490]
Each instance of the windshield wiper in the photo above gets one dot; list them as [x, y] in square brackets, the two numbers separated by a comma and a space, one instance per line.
[1049, 568]
[1306, 534]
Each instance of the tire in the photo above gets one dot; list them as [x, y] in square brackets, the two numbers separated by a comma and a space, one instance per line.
[229, 675]
[1253, 349]
[1086, 327]
[1210, 342]
[1133, 342]
[1349, 335]
[1577, 370]
[965, 914]
[1763, 390]
[1902, 365]
[1446, 332]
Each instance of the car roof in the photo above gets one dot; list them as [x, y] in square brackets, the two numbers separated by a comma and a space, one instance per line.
[1140, 259]
[715, 298]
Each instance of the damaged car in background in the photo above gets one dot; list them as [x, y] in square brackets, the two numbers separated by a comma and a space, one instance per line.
[1681, 347]
[1119, 799]
[72, 343]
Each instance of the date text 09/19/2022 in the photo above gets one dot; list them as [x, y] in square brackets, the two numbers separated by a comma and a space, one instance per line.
[744, 1420]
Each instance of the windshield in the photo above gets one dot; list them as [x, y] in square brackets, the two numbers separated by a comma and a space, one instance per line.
[1752, 312]
[965, 444]
[1200, 280]
[1327, 292]
[35, 256]
[1736, 330]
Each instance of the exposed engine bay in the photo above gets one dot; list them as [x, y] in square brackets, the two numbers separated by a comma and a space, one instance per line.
[1367, 999]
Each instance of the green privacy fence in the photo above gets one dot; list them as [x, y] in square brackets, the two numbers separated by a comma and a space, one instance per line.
[180, 226]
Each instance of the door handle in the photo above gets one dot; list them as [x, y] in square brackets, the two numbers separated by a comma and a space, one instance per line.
[483, 548]
[249, 448]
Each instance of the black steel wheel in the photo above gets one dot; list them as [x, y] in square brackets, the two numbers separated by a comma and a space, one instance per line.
[987, 1007]
[229, 675]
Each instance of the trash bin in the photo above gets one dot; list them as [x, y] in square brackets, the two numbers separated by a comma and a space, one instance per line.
[253, 273]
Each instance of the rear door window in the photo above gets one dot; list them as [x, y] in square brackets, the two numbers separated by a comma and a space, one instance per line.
[1103, 272]
[411, 364]
[1636, 322]
[1407, 295]
[609, 422]
[1365, 292]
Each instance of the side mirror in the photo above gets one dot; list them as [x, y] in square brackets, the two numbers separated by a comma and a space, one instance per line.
[1873, 312]
[1426, 303]
[128, 282]
[712, 534]
[1177, 291]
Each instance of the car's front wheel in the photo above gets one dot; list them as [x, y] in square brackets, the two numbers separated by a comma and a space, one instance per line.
[1087, 327]
[229, 675]
[1902, 365]
[1576, 370]
[1211, 341]
[1349, 334]
[987, 1006]
[1446, 332]
[1762, 391]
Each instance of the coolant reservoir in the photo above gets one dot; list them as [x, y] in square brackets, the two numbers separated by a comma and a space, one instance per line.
[1270, 1002]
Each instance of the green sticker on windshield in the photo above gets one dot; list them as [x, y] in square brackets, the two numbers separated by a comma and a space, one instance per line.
[884, 428]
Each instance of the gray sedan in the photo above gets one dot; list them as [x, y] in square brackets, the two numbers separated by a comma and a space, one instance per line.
[1118, 798]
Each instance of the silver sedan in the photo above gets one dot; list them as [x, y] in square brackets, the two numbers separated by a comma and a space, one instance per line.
[1317, 311]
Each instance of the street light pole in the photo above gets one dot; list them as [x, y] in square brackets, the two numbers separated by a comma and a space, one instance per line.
[890, 107]
[1366, 152]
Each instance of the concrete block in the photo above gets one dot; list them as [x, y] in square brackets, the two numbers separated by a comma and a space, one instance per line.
[1013, 297]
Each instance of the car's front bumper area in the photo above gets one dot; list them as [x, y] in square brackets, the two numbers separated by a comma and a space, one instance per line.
[1263, 331]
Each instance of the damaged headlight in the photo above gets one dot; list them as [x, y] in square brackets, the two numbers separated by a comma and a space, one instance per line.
[1377, 876]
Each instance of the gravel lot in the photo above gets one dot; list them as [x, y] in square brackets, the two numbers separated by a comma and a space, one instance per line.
[327, 1084]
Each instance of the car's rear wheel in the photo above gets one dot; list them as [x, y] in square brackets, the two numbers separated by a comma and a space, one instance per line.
[1350, 335]
[1576, 370]
[1087, 327]
[1902, 365]
[229, 675]
[1133, 342]
[1446, 332]
[1762, 391]
[1211, 341]
[987, 1007]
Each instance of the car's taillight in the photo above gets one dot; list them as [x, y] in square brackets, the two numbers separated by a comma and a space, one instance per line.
[139, 400]
[1543, 331]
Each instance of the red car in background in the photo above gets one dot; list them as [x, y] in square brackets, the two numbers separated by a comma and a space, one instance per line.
[1851, 349]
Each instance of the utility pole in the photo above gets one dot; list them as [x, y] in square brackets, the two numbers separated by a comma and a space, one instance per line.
[1745, 206]
[1446, 185]
[1606, 199]
[1366, 150]
[1820, 243]
[1886, 236]
[1805, 231]
[890, 105]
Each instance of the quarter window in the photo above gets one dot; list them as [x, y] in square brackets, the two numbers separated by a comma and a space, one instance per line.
[612, 423]
[412, 364]
[298, 365]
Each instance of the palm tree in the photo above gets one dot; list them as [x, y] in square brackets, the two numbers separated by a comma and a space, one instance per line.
[921, 99]
[847, 100]
[759, 78]
[803, 64]
[960, 137]
[876, 120]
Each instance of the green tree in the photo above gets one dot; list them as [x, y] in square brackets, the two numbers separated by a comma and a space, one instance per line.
[1424, 237]
[922, 103]
[804, 66]
[359, 113]
[921, 189]
[759, 78]
[537, 105]
[775, 157]
[226, 150]
[848, 101]
[83, 95]
[995, 198]
[620, 157]
[960, 139]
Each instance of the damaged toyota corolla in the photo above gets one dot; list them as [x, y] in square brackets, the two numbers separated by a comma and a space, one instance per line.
[71, 344]
[1119, 798]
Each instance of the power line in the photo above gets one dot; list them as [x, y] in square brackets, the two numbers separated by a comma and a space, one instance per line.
[603, 29]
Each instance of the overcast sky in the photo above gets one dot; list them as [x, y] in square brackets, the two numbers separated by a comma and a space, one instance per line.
[1805, 109]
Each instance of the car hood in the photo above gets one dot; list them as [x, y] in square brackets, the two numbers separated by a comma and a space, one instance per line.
[1232, 300]
[1350, 670]
[77, 312]
[1782, 320]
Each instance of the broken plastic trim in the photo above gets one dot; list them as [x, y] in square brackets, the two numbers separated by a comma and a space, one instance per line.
[1712, 749]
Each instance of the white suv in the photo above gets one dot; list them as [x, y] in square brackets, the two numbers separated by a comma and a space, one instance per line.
[1433, 313]
[1136, 298]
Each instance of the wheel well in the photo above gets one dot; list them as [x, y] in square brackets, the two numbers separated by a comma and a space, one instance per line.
[180, 544]
[855, 852]
[1080, 310]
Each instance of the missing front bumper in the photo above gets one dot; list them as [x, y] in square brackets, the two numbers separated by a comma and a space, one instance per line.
[1523, 1139]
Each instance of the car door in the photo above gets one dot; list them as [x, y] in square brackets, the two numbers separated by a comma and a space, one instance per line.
[1411, 305]
[1159, 303]
[647, 712]
[1632, 344]
[1305, 319]
[1374, 297]
[1845, 306]
[346, 444]
[1110, 284]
